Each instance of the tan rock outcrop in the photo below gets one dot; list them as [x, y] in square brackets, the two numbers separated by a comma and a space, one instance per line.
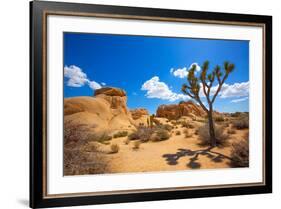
[106, 111]
[138, 113]
[175, 111]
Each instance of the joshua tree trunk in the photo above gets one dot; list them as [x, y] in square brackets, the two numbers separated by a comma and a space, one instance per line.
[213, 139]
[192, 89]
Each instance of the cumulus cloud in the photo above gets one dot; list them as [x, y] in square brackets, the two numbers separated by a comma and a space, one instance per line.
[183, 72]
[230, 90]
[180, 73]
[198, 68]
[160, 90]
[239, 100]
[102, 83]
[77, 78]
[94, 85]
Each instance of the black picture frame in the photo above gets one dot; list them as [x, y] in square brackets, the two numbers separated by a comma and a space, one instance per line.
[38, 11]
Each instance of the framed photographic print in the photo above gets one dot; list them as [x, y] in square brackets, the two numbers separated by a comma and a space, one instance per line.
[139, 104]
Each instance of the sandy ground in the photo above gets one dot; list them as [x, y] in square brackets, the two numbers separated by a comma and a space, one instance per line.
[176, 153]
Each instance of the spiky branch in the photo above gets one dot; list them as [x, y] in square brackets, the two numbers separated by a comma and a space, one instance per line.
[192, 89]
[206, 81]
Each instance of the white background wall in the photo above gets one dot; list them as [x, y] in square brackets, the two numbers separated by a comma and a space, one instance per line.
[14, 103]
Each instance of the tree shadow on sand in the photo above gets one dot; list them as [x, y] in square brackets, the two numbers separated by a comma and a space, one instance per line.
[172, 159]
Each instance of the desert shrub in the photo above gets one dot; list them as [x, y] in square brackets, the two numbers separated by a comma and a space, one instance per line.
[231, 131]
[142, 133]
[204, 135]
[241, 124]
[120, 134]
[185, 124]
[103, 137]
[165, 126]
[219, 118]
[201, 120]
[90, 147]
[136, 145]
[196, 132]
[178, 133]
[78, 162]
[160, 135]
[236, 114]
[225, 125]
[75, 133]
[240, 153]
[114, 148]
[187, 134]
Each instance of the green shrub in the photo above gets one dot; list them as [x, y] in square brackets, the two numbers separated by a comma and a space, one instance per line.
[120, 134]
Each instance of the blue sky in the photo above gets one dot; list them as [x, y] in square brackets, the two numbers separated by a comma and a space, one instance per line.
[152, 69]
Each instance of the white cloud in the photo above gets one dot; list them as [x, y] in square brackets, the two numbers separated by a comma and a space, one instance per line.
[102, 83]
[157, 89]
[94, 85]
[183, 72]
[77, 78]
[239, 100]
[198, 68]
[180, 73]
[230, 90]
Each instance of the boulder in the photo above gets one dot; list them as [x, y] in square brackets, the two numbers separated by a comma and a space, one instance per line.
[175, 111]
[138, 113]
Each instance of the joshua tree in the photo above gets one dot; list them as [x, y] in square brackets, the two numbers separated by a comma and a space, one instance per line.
[206, 81]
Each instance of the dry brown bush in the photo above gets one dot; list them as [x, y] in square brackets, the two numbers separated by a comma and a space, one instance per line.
[241, 124]
[136, 145]
[178, 133]
[186, 124]
[240, 153]
[231, 131]
[204, 135]
[77, 161]
[114, 148]
[187, 133]
[120, 134]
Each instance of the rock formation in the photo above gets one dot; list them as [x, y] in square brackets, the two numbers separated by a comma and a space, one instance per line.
[106, 111]
[138, 113]
[175, 111]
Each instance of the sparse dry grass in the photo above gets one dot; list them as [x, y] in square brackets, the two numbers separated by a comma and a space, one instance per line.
[120, 134]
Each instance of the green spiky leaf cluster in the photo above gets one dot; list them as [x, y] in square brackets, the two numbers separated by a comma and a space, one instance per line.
[205, 80]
